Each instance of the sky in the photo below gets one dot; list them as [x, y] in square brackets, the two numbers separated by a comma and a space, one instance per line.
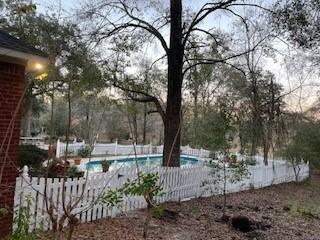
[289, 77]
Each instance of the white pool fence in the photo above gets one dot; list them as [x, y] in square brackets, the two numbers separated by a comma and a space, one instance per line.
[178, 184]
[118, 149]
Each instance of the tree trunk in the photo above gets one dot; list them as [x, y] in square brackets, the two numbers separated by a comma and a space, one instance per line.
[224, 190]
[196, 116]
[147, 222]
[172, 132]
[144, 129]
[135, 125]
[27, 119]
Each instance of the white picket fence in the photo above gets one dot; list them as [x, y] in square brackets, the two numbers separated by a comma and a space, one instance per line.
[118, 149]
[178, 184]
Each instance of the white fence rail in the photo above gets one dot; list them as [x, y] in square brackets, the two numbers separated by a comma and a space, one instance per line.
[178, 183]
[118, 149]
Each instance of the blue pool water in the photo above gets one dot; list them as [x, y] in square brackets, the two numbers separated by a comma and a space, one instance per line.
[95, 165]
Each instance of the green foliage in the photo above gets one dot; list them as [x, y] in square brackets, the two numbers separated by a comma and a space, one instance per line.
[215, 130]
[304, 144]
[85, 151]
[112, 198]
[22, 220]
[194, 211]
[105, 163]
[146, 184]
[60, 119]
[305, 210]
[239, 172]
[3, 212]
[220, 173]
[73, 171]
[32, 156]
[157, 212]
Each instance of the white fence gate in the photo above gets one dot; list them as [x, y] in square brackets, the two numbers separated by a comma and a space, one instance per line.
[178, 183]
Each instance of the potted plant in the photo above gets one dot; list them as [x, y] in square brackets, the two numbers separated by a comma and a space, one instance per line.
[105, 165]
[73, 171]
[85, 151]
[77, 161]
[233, 158]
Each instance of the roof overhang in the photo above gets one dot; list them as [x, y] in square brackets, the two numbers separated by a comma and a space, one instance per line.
[33, 63]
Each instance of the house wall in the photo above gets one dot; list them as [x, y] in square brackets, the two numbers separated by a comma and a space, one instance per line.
[11, 90]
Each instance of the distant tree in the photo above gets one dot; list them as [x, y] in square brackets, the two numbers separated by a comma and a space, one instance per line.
[202, 84]
[216, 129]
[299, 21]
[303, 145]
[48, 34]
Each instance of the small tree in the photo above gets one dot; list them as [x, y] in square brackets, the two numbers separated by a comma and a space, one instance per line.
[220, 173]
[294, 154]
[148, 186]
[303, 146]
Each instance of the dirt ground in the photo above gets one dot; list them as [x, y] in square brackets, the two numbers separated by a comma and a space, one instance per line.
[286, 211]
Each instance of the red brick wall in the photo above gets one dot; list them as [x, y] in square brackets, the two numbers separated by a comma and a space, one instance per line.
[11, 90]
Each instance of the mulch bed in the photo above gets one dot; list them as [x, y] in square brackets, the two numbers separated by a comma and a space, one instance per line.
[281, 212]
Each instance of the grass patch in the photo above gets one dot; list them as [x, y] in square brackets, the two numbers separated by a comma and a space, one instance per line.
[305, 210]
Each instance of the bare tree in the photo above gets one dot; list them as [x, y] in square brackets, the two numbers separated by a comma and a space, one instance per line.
[123, 18]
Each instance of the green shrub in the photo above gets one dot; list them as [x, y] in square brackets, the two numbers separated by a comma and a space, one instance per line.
[3, 212]
[85, 151]
[250, 161]
[22, 219]
[105, 164]
[56, 169]
[32, 156]
[74, 171]
[157, 212]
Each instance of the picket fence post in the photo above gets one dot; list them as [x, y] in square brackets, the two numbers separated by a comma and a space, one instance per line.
[58, 148]
[25, 181]
[116, 147]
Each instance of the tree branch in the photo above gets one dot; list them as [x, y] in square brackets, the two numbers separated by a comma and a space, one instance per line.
[147, 98]
[147, 26]
[202, 14]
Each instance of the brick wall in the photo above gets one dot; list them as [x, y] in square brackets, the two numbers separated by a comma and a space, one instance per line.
[11, 90]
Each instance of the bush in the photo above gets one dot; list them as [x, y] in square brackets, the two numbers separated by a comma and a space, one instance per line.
[157, 212]
[57, 169]
[32, 156]
[85, 151]
[105, 165]
[250, 161]
[73, 171]
[304, 144]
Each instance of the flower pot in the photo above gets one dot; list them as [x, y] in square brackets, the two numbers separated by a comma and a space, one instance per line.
[105, 168]
[77, 161]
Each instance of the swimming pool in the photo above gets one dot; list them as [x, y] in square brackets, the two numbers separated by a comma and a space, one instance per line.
[95, 165]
